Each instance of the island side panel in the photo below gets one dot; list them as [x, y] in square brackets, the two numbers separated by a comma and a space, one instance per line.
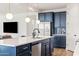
[7, 51]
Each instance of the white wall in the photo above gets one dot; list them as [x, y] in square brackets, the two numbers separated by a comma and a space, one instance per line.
[55, 10]
[72, 25]
[22, 25]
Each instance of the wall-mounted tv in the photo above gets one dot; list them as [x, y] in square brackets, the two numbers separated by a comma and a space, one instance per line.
[10, 27]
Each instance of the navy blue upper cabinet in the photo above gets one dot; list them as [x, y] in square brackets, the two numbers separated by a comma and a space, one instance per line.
[63, 19]
[57, 23]
[45, 17]
[57, 20]
[60, 19]
[41, 17]
[60, 22]
[48, 17]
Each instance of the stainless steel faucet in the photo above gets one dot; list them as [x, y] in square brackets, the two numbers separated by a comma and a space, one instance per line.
[34, 32]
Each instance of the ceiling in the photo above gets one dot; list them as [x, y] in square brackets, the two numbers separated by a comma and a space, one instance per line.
[25, 7]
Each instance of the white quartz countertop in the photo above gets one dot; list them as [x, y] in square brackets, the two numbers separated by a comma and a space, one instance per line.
[13, 42]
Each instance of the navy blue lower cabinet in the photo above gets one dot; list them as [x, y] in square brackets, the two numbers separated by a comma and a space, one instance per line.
[24, 50]
[45, 48]
[51, 45]
[59, 42]
[7, 51]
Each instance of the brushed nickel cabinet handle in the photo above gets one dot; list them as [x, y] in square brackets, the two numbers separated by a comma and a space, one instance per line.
[25, 47]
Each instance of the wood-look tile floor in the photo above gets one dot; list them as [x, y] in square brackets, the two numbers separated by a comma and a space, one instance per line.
[61, 52]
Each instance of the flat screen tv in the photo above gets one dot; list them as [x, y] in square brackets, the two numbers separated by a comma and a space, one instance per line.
[10, 27]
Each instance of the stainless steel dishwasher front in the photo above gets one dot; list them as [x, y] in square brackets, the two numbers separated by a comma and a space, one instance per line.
[36, 50]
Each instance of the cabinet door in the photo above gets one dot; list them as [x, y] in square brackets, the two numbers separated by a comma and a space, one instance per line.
[45, 50]
[60, 22]
[57, 23]
[63, 19]
[57, 19]
[51, 45]
[63, 41]
[48, 17]
[63, 22]
[41, 17]
[24, 50]
[60, 42]
[57, 43]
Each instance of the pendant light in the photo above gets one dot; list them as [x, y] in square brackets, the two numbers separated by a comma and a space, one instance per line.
[9, 15]
[27, 19]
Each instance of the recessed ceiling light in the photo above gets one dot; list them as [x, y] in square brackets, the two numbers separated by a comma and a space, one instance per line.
[30, 8]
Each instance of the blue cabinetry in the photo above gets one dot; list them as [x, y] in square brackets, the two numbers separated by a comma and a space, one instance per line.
[45, 17]
[45, 48]
[41, 17]
[57, 19]
[49, 17]
[24, 50]
[63, 19]
[7, 51]
[59, 42]
[60, 22]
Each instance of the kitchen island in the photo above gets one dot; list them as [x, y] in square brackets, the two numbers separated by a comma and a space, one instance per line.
[22, 46]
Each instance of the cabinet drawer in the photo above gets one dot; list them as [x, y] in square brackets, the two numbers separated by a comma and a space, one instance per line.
[45, 41]
[36, 42]
[23, 48]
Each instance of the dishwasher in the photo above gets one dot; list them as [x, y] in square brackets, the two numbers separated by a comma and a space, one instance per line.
[36, 49]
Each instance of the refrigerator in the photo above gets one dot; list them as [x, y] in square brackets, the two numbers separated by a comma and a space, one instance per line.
[44, 28]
